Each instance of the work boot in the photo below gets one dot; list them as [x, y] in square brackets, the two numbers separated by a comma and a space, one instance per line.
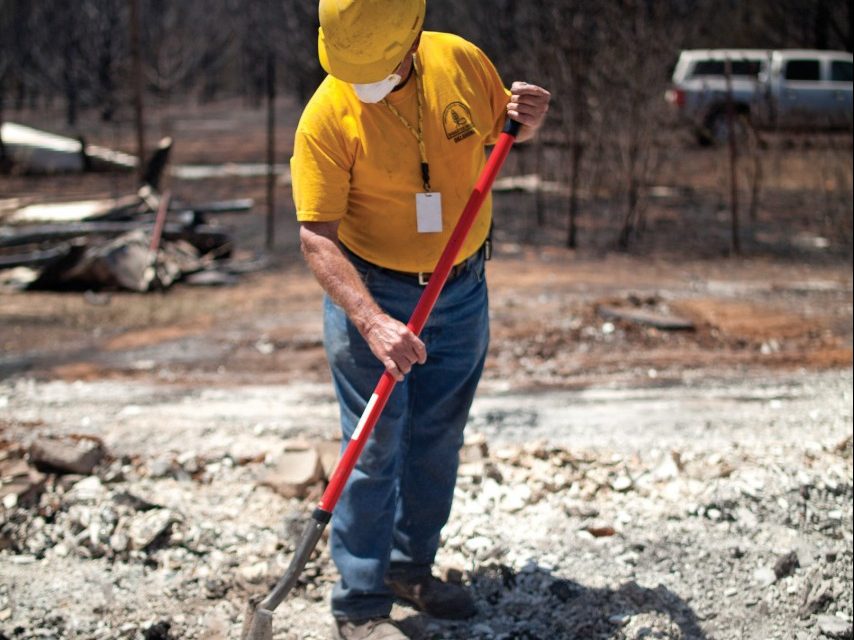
[430, 595]
[372, 629]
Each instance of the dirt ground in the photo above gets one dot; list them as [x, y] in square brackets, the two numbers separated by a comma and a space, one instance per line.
[667, 473]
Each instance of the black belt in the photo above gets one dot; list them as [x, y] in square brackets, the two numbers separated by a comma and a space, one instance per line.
[423, 277]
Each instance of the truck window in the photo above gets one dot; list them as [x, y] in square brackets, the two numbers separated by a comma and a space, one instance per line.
[803, 70]
[841, 71]
[708, 68]
[746, 68]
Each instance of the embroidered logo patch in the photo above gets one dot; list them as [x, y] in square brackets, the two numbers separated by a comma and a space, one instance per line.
[458, 122]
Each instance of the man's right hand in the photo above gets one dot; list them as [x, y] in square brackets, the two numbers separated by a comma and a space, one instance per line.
[395, 345]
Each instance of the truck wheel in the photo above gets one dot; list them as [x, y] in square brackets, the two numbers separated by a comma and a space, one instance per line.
[717, 127]
[704, 139]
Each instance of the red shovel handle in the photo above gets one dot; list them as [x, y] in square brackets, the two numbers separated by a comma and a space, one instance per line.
[419, 317]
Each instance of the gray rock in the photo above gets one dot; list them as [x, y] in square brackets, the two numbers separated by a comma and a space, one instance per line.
[20, 483]
[87, 491]
[70, 454]
[765, 576]
[254, 573]
[786, 565]
[144, 528]
[622, 483]
[834, 627]
[296, 471]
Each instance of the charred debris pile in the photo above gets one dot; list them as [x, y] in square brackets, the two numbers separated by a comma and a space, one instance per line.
[141, 242]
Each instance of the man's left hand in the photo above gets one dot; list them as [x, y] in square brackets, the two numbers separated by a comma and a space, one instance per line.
[528, 104]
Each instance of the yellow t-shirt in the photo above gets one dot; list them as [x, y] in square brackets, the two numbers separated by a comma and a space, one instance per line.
[359, 164]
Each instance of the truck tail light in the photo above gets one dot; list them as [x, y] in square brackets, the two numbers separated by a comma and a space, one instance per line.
[676, 97]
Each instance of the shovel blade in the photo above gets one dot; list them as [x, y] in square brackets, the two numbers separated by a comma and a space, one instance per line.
[257, 624]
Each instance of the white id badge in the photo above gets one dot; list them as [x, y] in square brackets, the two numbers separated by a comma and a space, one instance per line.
[428, 210]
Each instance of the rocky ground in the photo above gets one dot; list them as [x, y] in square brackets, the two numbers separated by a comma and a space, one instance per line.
[715, 510]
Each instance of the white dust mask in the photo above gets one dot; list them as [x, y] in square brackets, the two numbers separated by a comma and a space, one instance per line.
[376, 91]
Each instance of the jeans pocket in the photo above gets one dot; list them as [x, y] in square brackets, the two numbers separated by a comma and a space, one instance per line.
[364, 274]
[480, 267]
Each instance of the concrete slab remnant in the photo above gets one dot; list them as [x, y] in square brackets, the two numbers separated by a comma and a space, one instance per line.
[70, 454]
[295, 472]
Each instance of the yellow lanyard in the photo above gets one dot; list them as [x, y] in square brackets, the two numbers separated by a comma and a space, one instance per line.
[418, 133]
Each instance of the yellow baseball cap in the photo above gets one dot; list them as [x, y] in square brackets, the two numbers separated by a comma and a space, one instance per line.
[363, 41]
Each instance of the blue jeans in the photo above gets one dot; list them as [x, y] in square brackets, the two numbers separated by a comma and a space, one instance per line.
[398, 497]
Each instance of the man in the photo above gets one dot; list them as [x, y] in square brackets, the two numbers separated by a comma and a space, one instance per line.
[385, 157]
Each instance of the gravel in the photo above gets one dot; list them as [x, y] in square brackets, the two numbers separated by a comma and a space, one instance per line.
[714, 509]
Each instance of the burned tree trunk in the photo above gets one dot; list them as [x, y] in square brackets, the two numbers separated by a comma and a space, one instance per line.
[5, 162]
[733, 158]
[574, 180]
[136, 58]
[271, 149]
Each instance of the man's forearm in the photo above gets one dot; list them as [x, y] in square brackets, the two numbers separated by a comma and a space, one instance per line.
[340, 280]
[391, 341]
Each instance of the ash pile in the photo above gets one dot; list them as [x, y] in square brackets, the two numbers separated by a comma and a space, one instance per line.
[555, 544]
[142, 242]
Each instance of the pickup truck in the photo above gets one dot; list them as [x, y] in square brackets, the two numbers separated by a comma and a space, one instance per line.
[773, 89]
